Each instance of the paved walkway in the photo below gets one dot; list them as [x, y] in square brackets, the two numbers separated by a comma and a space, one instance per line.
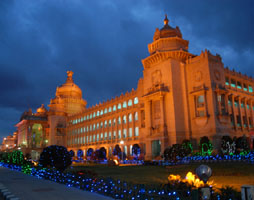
[27, 187]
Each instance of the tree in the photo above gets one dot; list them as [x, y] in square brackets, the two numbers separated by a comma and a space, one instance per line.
[187, 147]
[242, 144]
[55, 156]
[174, 153]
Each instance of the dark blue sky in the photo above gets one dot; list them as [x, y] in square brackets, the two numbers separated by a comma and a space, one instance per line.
[103, 42]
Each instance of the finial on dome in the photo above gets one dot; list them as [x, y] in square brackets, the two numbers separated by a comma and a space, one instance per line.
[69, 77]
[166, 20]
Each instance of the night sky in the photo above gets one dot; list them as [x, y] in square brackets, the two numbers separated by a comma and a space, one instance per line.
[103, 43]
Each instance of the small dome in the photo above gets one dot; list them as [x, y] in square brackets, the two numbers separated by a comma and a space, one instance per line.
[69, 89]
[41, 110]
[167, 31]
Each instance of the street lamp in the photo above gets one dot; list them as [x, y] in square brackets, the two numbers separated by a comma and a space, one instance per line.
[122, 142]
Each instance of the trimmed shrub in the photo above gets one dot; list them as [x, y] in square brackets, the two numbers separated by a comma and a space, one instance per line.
[228, 145]
[205, 146]
[55, 156]
[242, 144]
[187, 147]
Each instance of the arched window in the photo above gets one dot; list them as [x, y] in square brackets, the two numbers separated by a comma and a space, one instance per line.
[109, 135]
[98, 137]
[84, 118]
[136, 131]
[130, 102]
[109, 109]
[101, 112]
[101, 136]
[124, 133]
[101, 124]
[98, 113]
[119, 106]
[114, 108]
[114, 135]
[124, 119]
[136, 116]
[130, 132]
[87, 117]
[119, 134]
[105, 110]
[105, 136]
[130, 117]
[93, 126]
[124, 104]
[136, 100]
[81, 130]
[91, 116]
[94, 115]
[114, 122]
[98, 125]
[105, 124]
[109, 123]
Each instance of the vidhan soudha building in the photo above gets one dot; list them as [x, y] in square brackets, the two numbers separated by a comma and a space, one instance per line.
[180, 96]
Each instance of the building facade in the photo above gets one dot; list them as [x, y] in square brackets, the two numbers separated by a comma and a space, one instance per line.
[180, 96]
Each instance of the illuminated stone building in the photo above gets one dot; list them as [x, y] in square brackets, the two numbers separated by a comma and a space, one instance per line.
[9, 142]
[180, 96]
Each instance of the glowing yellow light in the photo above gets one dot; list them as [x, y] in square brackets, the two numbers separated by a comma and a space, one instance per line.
[190, 179]
[116, 161]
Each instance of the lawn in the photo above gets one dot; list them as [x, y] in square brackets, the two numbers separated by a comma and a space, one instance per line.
[233, 174]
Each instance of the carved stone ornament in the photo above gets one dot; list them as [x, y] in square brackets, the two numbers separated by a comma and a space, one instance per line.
[198, 76]
[217, 75]
[156, 77]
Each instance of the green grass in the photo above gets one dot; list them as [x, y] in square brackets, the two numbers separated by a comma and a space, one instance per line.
[234, 174]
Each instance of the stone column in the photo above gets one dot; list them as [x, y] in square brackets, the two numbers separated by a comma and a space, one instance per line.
[219, 102]
[233, 111]
[226, 103]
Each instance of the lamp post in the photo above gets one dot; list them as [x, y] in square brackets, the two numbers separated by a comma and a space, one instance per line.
[204, 172]
[122, 142]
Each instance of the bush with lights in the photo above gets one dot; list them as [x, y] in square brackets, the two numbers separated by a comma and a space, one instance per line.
[55, 156]
[228, 146]
[242, 146]
[205, 146]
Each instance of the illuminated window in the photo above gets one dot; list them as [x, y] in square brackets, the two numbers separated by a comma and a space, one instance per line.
[94, 115]
[242, 105]
[136, 100]
[78, 120]
[114, 135]
[114, 108]
[81, 130]
[109, 135]
[91, 116]
[227, 81]
[114, 122]
[87, 117]
[81, 119]
[105, 124]
[84, 139]
[98, 137]
[84, 118]
[91, 127]
[229, 102]
[136, 116]
[136, 133]
[248, 106]
[87, 129]
[109, 109]
[232, 83]
[94, 127]
[93, 138]
[119, 134]
[90, 138]
[119, 120]
[130, 102]
[130, 117]
[98, 125]
[245, 87]
[124, 119]
[101, 112]
[130, 132]
[101, 136]
[239, 85]
[84, 129]
[109, 123]
[105, 136]
[124, 133]
[119, 106]
[105, 110]
[98, 113]
[124, 104]
[200, 106]
[236, 104]
[101, 124]
[250, 89]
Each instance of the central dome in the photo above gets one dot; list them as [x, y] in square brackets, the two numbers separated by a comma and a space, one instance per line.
[167, 31]
[69, 89]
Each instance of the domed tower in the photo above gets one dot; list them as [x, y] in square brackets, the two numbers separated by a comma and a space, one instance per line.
[68, 98]
[68, 101]
[164, 89]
